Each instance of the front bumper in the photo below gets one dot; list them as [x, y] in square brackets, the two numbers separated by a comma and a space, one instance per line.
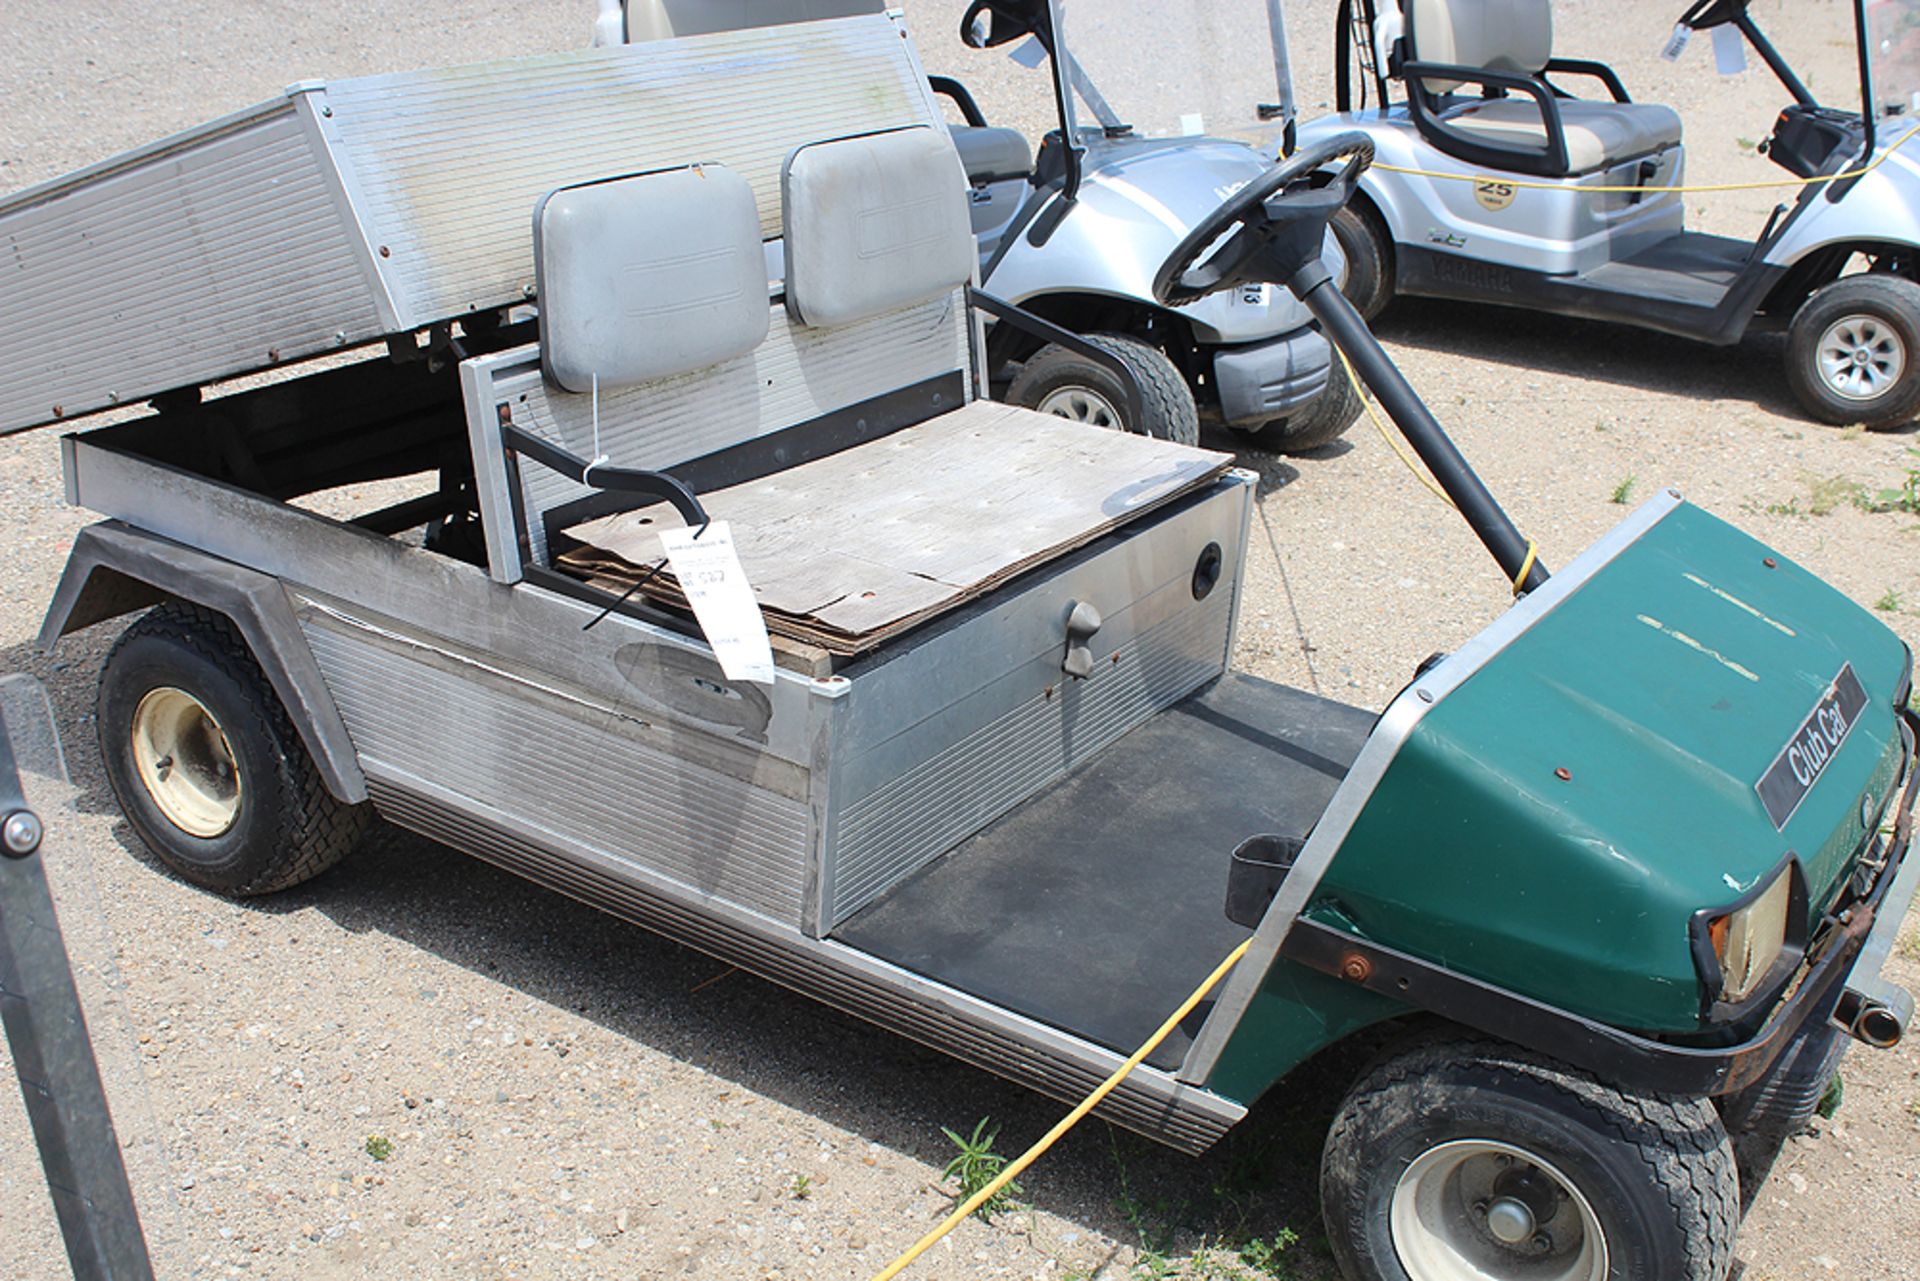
[1872, 1008]
[1842, 984]
[1266, 380]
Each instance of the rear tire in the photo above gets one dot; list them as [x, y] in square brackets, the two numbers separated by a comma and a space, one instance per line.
[206, 764]
[1321, 421]
[1369, 251]
[1853, 351]
[1472, 1157]
[1057, 381]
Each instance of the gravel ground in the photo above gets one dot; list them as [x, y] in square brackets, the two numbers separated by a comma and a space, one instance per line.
[568, 1097]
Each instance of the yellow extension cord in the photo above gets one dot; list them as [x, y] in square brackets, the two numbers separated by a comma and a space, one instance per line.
[1106, 1087]
[1533, 548]
[1066, 1122]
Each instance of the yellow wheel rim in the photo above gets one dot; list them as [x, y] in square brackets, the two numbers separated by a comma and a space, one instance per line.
[185, 763]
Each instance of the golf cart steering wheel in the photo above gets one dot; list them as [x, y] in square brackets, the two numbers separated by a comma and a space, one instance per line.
[1010, 21]
[1280, 223]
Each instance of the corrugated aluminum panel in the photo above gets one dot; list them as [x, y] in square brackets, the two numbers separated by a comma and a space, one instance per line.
[918, 815]
[217, 252]
[569, 769]
[795, 375]
[446, 166]
[343, 212]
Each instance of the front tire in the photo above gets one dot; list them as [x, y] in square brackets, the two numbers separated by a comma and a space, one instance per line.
[1853, 351]
[1369, 250]
[1057, 381]
[206, 764]
[1474, 1158]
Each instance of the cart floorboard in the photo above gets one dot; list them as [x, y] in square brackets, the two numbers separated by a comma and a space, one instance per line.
[1098, 906]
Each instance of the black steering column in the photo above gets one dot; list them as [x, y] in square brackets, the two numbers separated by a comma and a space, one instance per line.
[1271, 231]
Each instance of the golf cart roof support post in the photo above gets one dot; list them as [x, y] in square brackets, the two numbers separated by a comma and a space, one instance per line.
[1342, 50]
[1063, 102]
[1868, 109]
[1283, 75]
[1482, 511]
[1771, 56]
[1370, 11]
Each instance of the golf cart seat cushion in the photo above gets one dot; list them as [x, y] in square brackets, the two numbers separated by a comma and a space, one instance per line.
[1515, 36]
[643, 277]
[849, 550]
[990, 154]
[873, 224]
[1598, 134]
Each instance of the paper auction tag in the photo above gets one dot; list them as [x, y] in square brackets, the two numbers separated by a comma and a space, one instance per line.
[1729, 50]
[709, 572]
[1677, 42]
[1029, 54]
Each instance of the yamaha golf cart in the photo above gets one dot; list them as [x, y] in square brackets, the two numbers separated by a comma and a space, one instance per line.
[1074, 232]
[1529, 196]
[748, 618]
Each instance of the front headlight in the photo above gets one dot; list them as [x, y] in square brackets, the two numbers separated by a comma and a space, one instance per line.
[1746, 941]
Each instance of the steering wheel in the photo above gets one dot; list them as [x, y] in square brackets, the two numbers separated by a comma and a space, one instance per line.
[1277, 221]
[1009, 22]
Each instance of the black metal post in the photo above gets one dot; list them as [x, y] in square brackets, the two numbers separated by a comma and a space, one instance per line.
[1869, 109]
[1771, 56]
[47, 1033]
[1342, 324]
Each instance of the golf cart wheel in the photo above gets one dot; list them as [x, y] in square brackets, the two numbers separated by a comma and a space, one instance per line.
[1362, 238]
[1853, 351]
[205, 763]
[1471, 1158]
[1058, 381]
[1321, 421]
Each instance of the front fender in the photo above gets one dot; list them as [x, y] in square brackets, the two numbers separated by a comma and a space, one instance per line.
[1138, 200]
[1883, 206]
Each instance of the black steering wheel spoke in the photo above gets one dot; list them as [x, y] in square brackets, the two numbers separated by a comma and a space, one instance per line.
[1278, 221]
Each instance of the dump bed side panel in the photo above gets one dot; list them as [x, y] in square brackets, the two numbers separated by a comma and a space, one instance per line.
[447, 166]
[221, 251]
[344, 212]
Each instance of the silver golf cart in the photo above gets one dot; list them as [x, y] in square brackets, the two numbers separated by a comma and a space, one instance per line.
[1074, 232]
[945, 804]
[1473, 88]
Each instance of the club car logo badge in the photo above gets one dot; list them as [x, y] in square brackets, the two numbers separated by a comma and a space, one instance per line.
[1801, 762]
[1494, 196]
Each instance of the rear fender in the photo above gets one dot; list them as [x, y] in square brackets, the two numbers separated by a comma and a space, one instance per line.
[115, 569]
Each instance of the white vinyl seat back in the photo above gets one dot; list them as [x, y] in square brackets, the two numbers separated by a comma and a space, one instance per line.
[1515, 36]
[874, 223]
[648, 276]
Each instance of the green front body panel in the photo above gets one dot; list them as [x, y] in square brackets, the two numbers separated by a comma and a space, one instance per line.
[1553, 823]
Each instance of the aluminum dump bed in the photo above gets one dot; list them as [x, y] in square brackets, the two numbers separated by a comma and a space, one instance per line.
[347, 211]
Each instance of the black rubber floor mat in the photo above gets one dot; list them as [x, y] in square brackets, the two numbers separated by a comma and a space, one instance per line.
[1099, 905]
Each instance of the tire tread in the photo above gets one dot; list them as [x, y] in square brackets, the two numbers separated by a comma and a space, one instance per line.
[315, 829]
[1701, 1186]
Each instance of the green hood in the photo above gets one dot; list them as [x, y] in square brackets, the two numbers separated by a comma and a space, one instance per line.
[1664, 687]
